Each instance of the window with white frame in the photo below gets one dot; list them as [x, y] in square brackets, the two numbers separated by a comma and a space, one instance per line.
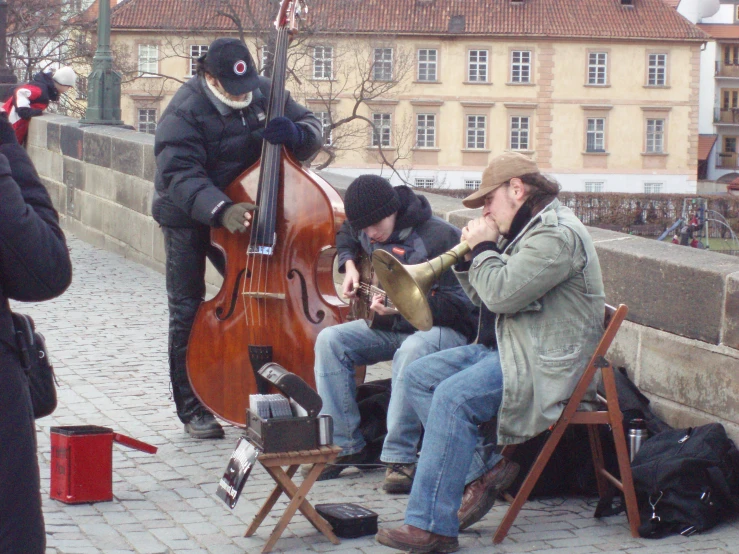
[196, 50]
[594, 186]
[325, 119]
[597, 68]
[596, 135]
[148, 60]
[472, 184]
[381, 132]
[519, 133]
[652, 188]
[425, 130]
[425, 182]
[147, 120]
[323, 62]
[477, 66]
[655, 136]
[382, 70]
[657, 70]
[427, 59]
[476, 131]
[520, 66]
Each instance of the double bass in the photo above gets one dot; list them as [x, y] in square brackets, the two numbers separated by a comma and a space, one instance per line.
[278, 291]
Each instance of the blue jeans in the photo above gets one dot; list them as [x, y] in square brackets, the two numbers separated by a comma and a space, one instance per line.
[340, 348]
[452, 392]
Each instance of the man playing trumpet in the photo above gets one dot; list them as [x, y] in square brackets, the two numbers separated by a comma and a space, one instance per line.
[534, 272]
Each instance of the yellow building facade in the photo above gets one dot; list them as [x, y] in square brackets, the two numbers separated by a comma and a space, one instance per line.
[618, 115]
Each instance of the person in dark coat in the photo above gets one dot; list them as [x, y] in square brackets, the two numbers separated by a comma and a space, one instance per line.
[394, 219]
[209, 134]
[31, 99]
[34, 266]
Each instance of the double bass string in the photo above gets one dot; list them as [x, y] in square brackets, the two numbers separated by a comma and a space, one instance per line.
[268, 194]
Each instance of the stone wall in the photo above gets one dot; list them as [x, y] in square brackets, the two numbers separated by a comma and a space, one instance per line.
[680, 343]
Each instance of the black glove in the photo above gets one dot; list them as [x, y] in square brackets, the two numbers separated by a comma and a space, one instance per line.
[232, 217]
[281, 130]
[7, 133]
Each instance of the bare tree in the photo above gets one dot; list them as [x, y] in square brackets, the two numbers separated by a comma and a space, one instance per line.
[365, 72]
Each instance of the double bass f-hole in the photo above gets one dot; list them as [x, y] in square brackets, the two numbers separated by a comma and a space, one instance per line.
[234, 296]
[320, 314]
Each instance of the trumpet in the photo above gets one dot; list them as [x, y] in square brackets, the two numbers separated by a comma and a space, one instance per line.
[408, 285]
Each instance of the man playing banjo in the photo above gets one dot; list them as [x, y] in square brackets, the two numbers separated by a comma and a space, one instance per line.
[398, 221]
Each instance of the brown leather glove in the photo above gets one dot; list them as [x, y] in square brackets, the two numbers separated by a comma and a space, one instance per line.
[233, 216]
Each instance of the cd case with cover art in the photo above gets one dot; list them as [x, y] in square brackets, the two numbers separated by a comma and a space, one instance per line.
[237, 472]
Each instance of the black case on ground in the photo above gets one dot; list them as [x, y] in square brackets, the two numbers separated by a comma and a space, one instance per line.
[286, 434]
[349, 520]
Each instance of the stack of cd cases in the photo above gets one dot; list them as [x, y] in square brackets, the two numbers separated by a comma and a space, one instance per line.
[270, 405]
[283, 422]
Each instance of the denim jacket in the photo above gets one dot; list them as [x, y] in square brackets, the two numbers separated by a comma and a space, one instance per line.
[547, 292]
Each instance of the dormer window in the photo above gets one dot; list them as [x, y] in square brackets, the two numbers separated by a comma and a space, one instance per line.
[629, 3]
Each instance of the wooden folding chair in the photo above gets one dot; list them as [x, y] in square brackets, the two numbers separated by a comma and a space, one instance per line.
[611, 416]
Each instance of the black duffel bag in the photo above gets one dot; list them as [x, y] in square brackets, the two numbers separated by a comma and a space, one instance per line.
[686, 480]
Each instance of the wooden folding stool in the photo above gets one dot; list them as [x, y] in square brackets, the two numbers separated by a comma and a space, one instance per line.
[273, 464]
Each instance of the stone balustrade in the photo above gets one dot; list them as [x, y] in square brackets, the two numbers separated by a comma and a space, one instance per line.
[680, 343]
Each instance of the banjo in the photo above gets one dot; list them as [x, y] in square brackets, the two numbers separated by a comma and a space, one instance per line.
[368, 288]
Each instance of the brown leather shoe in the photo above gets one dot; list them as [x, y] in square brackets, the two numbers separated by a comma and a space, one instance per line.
[479, 496]
[416, 541]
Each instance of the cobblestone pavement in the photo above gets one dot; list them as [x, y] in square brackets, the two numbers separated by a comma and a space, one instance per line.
[107, 338]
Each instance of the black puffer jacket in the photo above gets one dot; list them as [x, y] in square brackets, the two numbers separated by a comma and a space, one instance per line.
[34, 260]
[418, 236]
[34, 265]
[199, 151]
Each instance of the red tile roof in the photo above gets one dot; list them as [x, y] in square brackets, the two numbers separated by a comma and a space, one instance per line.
[91, 13]
[605, 19]
[705, 145]
[672, 3]
[718, 31]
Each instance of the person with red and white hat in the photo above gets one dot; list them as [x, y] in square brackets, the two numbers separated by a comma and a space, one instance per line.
[31, 99]
[211, 131]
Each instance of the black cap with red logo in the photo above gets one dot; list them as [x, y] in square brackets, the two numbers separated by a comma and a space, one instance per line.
[229, 61]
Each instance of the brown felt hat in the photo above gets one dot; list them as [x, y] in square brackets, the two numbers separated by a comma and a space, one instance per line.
[501, 169]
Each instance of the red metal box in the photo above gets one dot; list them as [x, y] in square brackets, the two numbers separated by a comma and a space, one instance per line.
[82, 462]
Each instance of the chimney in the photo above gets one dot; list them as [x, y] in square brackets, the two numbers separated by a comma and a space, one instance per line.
[456, 24]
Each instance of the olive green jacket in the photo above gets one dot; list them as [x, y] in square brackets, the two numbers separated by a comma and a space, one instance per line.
[546, 290]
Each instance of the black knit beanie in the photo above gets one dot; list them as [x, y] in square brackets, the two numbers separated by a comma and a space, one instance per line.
[369, 199]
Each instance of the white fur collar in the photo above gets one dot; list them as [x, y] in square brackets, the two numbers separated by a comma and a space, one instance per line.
[236, 105]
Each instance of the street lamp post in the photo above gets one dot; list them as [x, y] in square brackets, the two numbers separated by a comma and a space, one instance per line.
[104, 89]
[7, 77]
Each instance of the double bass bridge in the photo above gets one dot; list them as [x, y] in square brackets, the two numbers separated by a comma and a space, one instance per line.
[265, 295]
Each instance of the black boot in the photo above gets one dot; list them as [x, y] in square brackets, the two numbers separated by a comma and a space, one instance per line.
[204, 426]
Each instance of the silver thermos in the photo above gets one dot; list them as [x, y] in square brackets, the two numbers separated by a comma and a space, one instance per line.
[637, 435]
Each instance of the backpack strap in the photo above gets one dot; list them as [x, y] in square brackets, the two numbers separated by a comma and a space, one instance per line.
[718, 480]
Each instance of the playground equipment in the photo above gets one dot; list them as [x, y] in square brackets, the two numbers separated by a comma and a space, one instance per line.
[704, 224]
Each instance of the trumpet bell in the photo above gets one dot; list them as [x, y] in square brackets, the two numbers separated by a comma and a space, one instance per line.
[407, 285]
[404, 285]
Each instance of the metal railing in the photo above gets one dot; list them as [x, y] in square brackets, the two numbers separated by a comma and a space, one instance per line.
[724, 69]
[727, 160]
[726, 115]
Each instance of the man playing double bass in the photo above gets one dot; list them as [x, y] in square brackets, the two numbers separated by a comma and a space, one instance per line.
[209, 134]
